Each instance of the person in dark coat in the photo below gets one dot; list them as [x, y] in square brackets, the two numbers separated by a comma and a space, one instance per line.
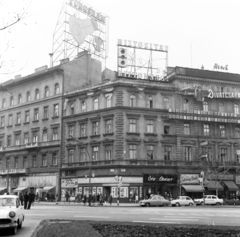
[21, 198]
[84, 199]
[100, 199]
[105, 199]
[110, 199]
[67, 196]
[89, 199]
[25, 197]
[31, 199]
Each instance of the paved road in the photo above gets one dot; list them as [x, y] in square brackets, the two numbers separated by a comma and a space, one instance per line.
[212, 215]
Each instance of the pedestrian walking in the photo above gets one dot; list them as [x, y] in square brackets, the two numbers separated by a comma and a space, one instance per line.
[31, 199]
[48, 197]
[67, 196]
[101, 199]
[84, 199]
[21, 198]
[25, 197]
[105, 200]
[89, 199]
[110, 199]
[37, 197]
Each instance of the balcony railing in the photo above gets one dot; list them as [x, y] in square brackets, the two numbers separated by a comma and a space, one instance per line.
[200, 115]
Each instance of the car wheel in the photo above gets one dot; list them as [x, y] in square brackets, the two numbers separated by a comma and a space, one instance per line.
[218, 203]
[147, 204]
[14, 230]
[178, 204]
[20, 225]
[202, 203]
[190, 204]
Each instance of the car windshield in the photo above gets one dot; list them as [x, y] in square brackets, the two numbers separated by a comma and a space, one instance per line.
[7, 202]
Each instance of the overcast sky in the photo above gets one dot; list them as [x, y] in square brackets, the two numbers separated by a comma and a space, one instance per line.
[197, 32]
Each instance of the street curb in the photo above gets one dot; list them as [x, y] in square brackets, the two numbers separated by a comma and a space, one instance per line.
[35, 231]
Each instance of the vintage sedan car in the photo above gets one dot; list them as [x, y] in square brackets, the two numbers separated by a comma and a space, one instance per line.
[155, 200]
[11, 213]
[182, 201]
[209, 200]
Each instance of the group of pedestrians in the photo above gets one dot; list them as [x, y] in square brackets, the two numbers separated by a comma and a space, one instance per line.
[27, 199]
[90, 199]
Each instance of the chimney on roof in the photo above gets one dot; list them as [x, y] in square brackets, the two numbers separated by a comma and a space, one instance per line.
[40, 69]
[51, 59]
[17, 76]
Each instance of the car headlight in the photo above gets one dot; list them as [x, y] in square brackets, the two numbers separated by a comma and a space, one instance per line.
[12, 214]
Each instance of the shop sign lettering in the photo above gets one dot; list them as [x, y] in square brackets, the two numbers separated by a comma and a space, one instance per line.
[69, 183]
[189, 179]
[159, 178]
[40, 184]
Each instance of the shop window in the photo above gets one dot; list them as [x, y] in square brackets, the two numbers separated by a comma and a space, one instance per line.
[133, 151]
[188, 153]
[150, 128]
[205, 106]
[150, 152]
[133, 192]
[167, 152]
[206, 130]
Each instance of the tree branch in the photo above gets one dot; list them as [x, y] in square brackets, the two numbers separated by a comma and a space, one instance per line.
[5, 27]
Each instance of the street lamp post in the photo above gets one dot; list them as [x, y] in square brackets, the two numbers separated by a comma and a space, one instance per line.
[7, 164]
[89, 167]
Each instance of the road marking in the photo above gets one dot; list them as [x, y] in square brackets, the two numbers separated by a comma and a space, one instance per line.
[182, 219]
[29, 214]
[93, 217]
[166, 222]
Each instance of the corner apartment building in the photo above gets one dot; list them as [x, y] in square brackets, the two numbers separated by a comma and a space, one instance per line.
[131, 136]
[31, 123]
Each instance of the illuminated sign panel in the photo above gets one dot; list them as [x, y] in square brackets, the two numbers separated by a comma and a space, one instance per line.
[225, 95]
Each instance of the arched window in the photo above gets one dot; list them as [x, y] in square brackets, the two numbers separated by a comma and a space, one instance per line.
[132, 100]
[236, 109]
[185, 105]
[11, 101]
[221, 107]
[28, 96]
[57, 90]
[3, 103]
[46, 92]
[37, 96]
[95, 104]
[19, 99]
[205, 106]
[150, 101]
[165, 103]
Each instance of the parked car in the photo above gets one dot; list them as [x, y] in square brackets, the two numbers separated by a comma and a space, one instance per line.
[155, 200]
[182, 201]
[11, 213]
[209, 200]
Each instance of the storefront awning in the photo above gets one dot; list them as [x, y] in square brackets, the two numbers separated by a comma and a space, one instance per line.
[193, 188]
[2, 189]
[48, 188]
[231, 185]
[20, 189]
[214, 185]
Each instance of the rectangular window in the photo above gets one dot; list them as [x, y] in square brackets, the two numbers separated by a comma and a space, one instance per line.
[17, 140]
[44, 160]
[55, 110]
[207, 153]
[24, 162]
[206, 130]
[71, 156]
[2, 122]
[35, 137]
[26, 138]
[54, 159]
[186, 130]
[95, 128]
[166, 128]
[188, 153]
[150, 128]
[205, 106]
[83, 130]
[108, 101]
[83, 106]
[27, 117]
[18, 118]
[55, 134]
[167, 152]
[95, 150]
[16, 163]
[150, 152]
[237, 132]
[36, 115]
[72, 108]
[108, 128]
[34, 161]
[223, 154]
[222, 130]
[45, 112]
[71, 131]
[10, 120]
[83, 154]
[108, 152]
[133, 125]
[45, 135]
[9, 139]
[133, 151]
